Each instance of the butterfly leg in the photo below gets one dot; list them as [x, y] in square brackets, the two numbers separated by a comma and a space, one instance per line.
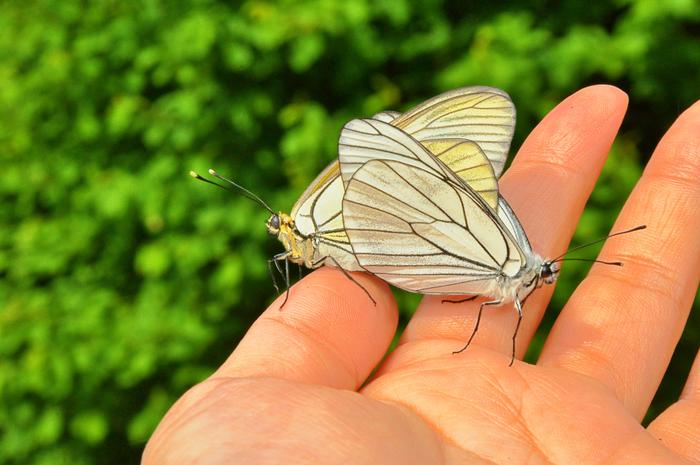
[476, 326]
[275, 260]
[286, 279]
[272, 274]
[460, 300]
[347, 275]
[519, 309]
[284, 256]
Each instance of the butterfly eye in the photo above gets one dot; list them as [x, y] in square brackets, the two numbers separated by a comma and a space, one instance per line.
[274, 222]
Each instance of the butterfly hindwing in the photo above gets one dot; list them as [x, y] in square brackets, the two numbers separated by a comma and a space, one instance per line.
[318, 213]
[484, 115]
[468, 162]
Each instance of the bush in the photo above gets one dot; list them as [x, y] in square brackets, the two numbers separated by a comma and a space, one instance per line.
[124, 282]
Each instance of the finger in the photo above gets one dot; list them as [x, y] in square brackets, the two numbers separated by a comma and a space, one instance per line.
[678, 427]
[329, 332]
[547, 186]
[622, 323]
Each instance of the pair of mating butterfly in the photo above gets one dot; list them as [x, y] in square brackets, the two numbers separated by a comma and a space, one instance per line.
[413, 199]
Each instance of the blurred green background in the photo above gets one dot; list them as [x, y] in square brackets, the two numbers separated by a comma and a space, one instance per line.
[124, 282]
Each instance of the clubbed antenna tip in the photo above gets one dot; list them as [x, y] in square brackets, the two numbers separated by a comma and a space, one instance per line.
[238, 188]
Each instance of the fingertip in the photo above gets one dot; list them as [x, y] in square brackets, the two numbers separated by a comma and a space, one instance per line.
[693, 111]
[689, 119]
[593, 107]
[576, 135]
[604, 92]
[600, 102]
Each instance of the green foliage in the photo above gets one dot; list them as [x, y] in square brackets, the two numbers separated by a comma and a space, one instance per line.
[125, 282]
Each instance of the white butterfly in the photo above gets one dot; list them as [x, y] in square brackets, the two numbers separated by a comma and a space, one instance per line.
[414, 200]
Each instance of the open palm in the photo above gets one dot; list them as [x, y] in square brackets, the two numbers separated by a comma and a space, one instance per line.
[296, 389]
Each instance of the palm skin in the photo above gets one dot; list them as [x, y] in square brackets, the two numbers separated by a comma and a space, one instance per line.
[297, 389]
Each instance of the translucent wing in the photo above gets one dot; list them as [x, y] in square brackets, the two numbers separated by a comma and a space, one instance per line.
[318, 213]
[302, 209]
[484, 115]
[508, 218]
[422, 232]
[363, 140]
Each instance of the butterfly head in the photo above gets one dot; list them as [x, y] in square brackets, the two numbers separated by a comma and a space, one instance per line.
[549, 271]
[280, 223]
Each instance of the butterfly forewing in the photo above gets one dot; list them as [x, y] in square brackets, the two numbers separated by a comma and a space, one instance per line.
[422, 246]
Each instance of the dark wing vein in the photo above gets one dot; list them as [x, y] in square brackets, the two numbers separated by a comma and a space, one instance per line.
[408, 183]
[466, 259]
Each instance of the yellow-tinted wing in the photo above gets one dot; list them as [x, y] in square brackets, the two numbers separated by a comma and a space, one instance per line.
[484, 115]
[468, 161]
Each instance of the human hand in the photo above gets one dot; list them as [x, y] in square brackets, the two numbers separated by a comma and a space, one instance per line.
[296, 388]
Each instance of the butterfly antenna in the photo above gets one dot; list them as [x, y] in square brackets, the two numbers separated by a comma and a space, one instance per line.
[239, 189]
[590, 260]
[196, 175]
[560, 257]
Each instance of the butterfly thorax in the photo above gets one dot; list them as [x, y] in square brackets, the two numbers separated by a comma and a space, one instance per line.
[535, 274]
[300, 249]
